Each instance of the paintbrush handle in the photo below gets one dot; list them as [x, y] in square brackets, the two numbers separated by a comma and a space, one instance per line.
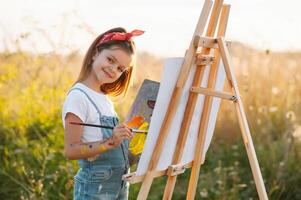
[108, 127]
[93, 125]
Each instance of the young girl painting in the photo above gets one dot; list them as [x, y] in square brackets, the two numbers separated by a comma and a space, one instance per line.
[102, 153]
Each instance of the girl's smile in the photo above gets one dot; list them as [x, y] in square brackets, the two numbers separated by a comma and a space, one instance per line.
[107, 73]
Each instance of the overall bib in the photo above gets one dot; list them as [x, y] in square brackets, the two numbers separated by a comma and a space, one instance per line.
[101, 179]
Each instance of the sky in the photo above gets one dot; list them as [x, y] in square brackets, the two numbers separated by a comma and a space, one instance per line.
[66, 25]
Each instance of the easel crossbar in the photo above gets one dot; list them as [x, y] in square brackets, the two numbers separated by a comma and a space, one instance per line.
[132, 178]
[209, 92]
[203, 60]
[207, 42]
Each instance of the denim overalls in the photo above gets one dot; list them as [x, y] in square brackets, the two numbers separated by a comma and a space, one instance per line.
[101, 179]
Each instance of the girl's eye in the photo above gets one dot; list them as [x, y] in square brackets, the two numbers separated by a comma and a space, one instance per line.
[121, 69]
[110, 60]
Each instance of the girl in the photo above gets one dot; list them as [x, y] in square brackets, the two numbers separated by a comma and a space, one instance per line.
[102, 154]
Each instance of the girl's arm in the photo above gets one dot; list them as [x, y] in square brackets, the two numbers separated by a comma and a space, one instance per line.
[75, 149]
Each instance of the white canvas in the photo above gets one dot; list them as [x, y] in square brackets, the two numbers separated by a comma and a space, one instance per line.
[168, 81]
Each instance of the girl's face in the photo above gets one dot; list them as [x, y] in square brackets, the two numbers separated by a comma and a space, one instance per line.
[109, 64]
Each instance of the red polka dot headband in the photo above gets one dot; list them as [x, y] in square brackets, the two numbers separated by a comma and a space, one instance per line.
[119, 36]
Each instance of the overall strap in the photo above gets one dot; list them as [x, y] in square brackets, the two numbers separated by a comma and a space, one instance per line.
[88, 98]
[125, 156]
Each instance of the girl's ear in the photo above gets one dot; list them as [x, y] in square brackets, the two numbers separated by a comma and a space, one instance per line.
[93, 57]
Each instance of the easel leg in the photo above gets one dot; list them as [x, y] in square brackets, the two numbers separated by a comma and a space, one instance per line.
[243, 121]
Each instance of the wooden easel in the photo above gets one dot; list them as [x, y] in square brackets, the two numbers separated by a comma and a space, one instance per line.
[203, 50]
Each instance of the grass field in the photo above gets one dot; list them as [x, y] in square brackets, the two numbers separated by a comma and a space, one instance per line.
[33, 88]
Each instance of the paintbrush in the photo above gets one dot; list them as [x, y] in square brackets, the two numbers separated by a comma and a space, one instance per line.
[108, 127]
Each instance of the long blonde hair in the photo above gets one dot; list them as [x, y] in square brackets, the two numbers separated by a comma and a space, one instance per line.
[121, 85]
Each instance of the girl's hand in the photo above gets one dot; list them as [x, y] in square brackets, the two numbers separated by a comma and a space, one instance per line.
[120, 133]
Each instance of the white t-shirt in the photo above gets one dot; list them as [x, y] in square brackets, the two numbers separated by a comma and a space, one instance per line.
[78, 103]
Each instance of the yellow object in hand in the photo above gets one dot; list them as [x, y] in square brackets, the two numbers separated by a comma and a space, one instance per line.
[137, 143]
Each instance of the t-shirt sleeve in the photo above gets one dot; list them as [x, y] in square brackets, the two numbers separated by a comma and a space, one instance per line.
[75, 103]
